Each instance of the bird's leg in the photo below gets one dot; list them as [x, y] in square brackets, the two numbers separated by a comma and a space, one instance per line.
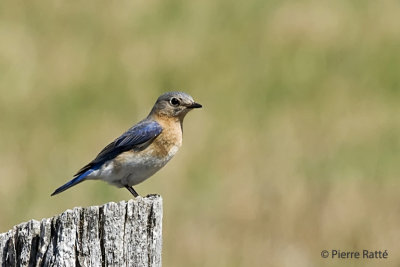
[133, 192]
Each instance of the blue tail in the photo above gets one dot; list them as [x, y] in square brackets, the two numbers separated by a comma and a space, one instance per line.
[73, 182]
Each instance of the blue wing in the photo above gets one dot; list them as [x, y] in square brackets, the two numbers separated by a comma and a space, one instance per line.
[137, 137]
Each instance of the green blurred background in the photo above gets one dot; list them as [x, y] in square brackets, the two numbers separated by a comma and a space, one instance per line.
[297, 147]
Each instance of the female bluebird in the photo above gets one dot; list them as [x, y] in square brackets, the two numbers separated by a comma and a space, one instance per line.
[142, 150]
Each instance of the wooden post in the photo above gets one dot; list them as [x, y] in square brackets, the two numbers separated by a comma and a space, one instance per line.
[115, 234]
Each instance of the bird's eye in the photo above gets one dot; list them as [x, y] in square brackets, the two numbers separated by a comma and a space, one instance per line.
[175, 102]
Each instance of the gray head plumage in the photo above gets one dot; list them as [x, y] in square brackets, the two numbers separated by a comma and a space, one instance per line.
[174, 104]
[169, 95]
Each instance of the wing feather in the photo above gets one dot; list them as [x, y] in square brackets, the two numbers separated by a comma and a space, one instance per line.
[138, 136]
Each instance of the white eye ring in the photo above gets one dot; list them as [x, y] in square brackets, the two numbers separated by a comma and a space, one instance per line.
[175, 102]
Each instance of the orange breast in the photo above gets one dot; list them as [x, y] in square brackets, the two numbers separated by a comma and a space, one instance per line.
[169, 139]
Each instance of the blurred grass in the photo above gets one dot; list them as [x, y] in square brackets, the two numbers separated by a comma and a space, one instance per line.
[295, 151]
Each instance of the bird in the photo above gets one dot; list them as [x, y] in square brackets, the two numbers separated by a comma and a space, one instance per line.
[143, 149]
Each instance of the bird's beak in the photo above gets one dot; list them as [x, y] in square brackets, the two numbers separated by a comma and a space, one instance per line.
[195, 105]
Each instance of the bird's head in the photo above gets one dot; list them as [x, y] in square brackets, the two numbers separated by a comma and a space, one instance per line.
[174, 105]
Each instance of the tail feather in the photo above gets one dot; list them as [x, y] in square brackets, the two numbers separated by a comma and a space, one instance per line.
[73, 182]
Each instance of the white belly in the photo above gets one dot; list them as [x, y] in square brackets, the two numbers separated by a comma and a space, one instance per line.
[132, 168]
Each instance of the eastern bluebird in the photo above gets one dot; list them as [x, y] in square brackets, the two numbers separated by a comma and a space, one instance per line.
[143, 149]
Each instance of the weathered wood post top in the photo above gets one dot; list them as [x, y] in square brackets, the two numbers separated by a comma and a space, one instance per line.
[128, 233]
